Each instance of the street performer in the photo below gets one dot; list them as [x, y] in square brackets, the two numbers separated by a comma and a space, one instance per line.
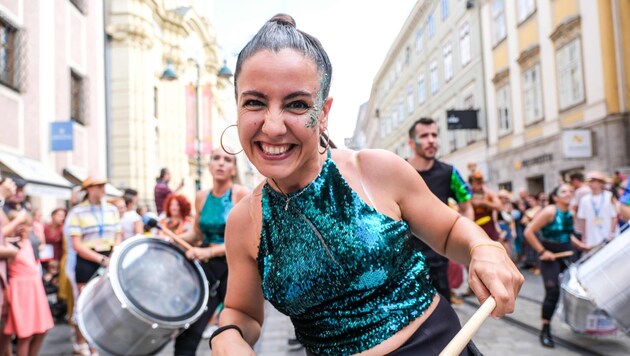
[326, 237]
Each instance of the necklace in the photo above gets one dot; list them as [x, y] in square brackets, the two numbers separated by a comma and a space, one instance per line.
[287, 198]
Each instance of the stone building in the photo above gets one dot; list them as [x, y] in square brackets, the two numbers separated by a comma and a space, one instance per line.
[166, 104]
[434, 65]
[557, 76]
[52, 96]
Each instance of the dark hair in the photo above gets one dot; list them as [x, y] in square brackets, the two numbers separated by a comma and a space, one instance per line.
[163, 172]
[577, 176]
[59, 209]
[184, 205]
[131, 192]
[280, 33]
[554, 193]
[420, 121]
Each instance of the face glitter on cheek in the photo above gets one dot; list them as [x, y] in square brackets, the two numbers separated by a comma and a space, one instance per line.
[319, 104]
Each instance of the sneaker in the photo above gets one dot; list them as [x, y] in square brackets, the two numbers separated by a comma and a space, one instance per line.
[209, 330]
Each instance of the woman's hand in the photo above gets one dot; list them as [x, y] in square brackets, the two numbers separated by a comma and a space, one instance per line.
[230, 342]
[199, 253]
[547, 256]
[492, 272]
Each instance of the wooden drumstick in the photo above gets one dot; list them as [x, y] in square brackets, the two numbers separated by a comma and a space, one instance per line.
[562, 254]
[171, 234]
[469, 329]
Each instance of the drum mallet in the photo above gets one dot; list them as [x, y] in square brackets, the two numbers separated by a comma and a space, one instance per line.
[469, 329]
[171, 234]
[563, 254]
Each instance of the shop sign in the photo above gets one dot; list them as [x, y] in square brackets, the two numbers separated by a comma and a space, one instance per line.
[577, 144]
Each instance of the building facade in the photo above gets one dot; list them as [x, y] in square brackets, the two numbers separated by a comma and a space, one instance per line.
[167, 104]
[434, 65]
[557, 75]
[51, 72]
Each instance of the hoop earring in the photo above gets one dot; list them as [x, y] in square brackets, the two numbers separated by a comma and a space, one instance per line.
[324, 137]
[221, 141]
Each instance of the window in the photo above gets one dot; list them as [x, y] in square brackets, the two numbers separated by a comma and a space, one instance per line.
[10, 56]
[431, 25]
[410, 99]
[570, 77]
[444, 9]
[401, 112]
[532, 95]
[419, 40]
[422, 95]
[434, 76]
[155, 102]
[503, 109]
[77, 95]
[407, 55]
[448, 62]
[464, 43]
[525, 8]
[498, 21]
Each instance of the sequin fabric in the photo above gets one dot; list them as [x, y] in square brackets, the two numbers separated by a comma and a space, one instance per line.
[344, 273]
[213, 217]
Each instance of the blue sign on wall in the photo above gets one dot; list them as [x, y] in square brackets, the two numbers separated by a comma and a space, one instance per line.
[61, 136]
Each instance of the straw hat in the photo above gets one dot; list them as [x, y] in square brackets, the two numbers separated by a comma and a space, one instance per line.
[93, 180]
[595, 175]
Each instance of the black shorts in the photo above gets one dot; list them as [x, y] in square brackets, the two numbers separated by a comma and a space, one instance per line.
[85, 269]
[434, 334]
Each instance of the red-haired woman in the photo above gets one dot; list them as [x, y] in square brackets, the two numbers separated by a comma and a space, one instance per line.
[177, 218]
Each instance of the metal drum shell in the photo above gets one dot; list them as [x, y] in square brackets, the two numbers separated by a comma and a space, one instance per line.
[577, 307]
[112, 328]
[604, 276]
[113, 324]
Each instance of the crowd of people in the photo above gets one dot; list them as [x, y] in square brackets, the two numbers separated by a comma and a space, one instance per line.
[46, 262]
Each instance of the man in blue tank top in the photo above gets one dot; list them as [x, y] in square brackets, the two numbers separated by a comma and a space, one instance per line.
[444, 181]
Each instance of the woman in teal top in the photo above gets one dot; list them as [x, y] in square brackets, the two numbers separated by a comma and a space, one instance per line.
[555, 224]
[326, 237]
[213, 207]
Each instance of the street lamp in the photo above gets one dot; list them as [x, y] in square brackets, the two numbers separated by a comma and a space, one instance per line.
[197, 117]
[170, 74]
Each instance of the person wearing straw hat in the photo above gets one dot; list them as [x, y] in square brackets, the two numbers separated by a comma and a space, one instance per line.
[326, 237]
[94, 227]
[596, 212]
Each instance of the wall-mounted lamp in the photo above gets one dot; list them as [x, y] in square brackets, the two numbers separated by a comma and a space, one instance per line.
[169, 72]
[225, 71]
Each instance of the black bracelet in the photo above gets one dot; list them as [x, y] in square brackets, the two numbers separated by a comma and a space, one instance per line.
[222, 329]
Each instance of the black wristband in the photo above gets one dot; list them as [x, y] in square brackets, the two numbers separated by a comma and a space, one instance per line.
[222, 329]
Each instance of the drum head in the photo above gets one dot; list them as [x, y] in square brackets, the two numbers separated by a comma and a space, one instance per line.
[159, 280]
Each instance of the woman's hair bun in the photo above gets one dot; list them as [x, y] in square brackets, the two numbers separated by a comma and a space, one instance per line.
[283, 19]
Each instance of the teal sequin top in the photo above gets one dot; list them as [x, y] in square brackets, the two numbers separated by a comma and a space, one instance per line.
[345, 274]
[213, 217]
[560, 229]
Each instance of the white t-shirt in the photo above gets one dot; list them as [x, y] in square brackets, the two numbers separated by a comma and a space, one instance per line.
[598, 213]
[127, 221]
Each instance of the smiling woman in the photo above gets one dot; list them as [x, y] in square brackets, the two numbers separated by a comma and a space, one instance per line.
[327, 238]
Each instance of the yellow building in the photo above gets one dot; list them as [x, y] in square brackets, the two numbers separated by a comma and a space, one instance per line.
[557, 76]
[166, 98]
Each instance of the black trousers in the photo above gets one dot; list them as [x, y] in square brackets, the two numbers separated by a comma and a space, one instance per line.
[550, 271]
[216, 271]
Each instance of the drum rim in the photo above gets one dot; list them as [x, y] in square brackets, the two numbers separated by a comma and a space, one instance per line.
[141, 313]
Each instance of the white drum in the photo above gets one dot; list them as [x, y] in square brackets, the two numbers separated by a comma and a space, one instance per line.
[604, 276]
[149, 292]
[578, 311]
